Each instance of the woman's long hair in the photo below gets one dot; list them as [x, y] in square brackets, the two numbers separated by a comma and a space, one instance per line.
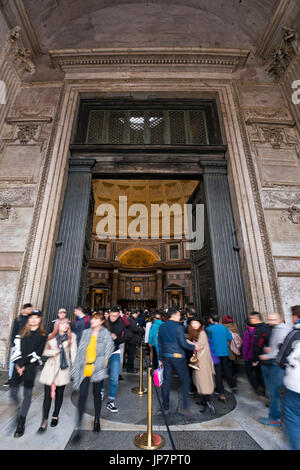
[26, 330]
[193, 334]
[101, 315]
[56, 328]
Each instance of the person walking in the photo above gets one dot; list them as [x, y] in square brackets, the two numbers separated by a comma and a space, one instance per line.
[172, 344]
[18, 325]
[61, 351]
[81, 323]
[153, 338]
[120, 335]
[254, 374]
[235, 347]
[29, 347]
[203, 373]
[219, 337]
[136, 337]
[126, 323]
[289, 360]
[90, 366]
[273, 374]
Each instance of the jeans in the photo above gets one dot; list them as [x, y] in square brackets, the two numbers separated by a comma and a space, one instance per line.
[179, 364]
[59, 395]
[11, 363]
[291, 418]
[273, 376]
[114, 370]
[26, 400]
[83, 394]
[122, 352]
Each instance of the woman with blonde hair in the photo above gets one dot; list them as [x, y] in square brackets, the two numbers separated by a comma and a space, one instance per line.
[203, 374]
[29, 347]
[61, 351]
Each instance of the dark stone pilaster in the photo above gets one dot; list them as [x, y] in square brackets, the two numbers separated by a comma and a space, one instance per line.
[229, 289]
[66, 277]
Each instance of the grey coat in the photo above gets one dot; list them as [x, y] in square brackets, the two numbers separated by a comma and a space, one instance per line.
[105, 348]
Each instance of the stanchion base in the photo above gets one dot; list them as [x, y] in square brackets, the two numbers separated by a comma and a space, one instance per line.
[141, 441]
[139, 391]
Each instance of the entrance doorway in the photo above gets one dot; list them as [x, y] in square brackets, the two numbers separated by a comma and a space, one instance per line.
[155, 141]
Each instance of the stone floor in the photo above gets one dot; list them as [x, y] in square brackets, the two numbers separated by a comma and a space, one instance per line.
[234, 426]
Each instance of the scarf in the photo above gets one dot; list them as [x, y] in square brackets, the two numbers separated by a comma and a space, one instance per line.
[63, 360]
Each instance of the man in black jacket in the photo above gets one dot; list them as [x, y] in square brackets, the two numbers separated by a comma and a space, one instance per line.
[120, 335]
[261, 336]
[136, 336]
[18, 325]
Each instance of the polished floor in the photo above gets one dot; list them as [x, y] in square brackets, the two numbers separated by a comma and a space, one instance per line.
[233, 427]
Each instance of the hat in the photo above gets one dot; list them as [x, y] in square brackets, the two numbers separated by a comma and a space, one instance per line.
[227, 319]
[36, 312]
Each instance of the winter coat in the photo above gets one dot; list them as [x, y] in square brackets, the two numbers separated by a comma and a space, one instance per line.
[171, 340]
[248, 343]
[105, 348]
[219, 335]
[261, 340]
[153, 334]
[122, 333]
[52, 373]
[28, 352]
[204, 378]
[81, 324]
[18, 326]
[278, 335]
[135, 330]
[289, 356]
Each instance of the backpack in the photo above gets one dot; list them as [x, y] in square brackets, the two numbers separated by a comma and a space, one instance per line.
[236, 344]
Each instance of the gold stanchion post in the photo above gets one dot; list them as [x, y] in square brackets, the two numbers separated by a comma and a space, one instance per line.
[148, 440]
[140, 390]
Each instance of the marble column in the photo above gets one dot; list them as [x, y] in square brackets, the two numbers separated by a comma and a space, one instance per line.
[159, 289]
[115, 288]
[66, 277]
[229, 289]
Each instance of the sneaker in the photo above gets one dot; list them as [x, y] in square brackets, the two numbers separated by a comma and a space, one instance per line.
[269, 422]
[121, 379]
[102, 395]
[112, 407]
[7, 384]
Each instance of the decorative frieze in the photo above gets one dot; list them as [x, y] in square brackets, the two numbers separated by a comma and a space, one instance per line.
[273, 135]
[279, 199]
[292, 214]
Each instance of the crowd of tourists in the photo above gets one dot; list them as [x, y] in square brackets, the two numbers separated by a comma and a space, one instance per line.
[202, 351]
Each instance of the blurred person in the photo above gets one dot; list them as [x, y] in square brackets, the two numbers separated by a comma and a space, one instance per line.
[153, 338]
[235, 346]
[219, 336]
[81, 323]
[203, 373]
[289, 360]
[120, 335]
[172, 344]
[61, 351]
[254, 374]
[272, 373]
[61, 315]
[29, 347]
[18, 325]
[261, 335]
[136, 337]
[90, 366]
[126, 323]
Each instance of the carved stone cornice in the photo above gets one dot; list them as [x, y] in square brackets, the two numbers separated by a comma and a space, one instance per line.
[268, 115]
[206, 58]
[19, 56]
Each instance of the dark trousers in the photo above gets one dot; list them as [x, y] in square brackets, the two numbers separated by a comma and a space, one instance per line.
[254, 375]
[26, 400]
[83, 394]
[59, 395]
[131, 356]
[291, 418]
[179, 365]
[155, 358]
[188, 355]
[223, 367]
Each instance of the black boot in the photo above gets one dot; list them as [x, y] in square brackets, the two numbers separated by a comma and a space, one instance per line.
[97, 425]
[20, 427]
